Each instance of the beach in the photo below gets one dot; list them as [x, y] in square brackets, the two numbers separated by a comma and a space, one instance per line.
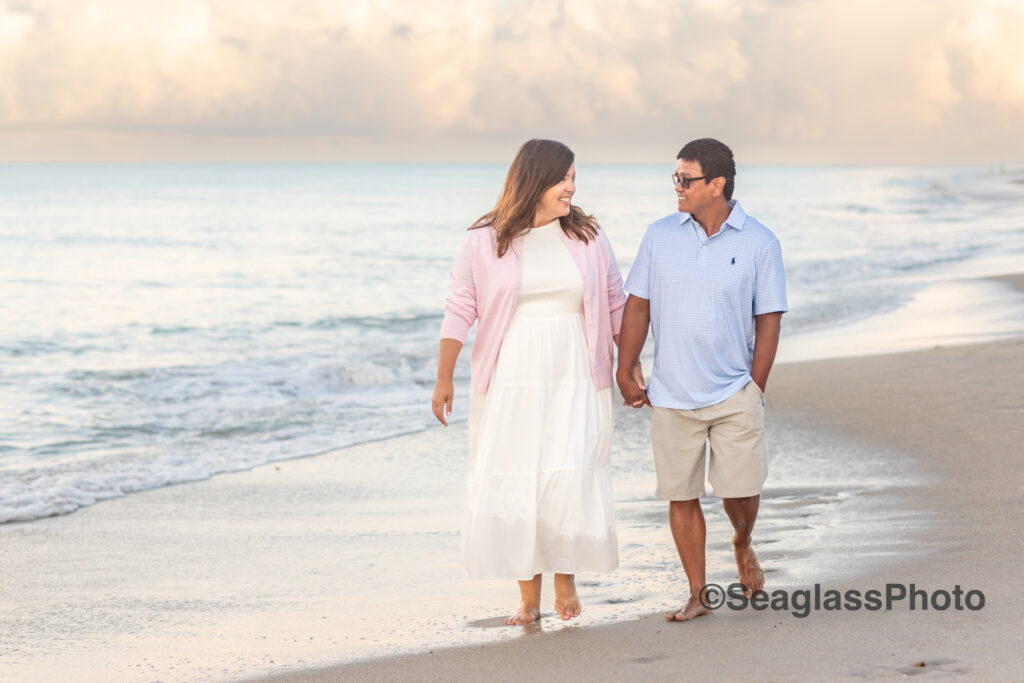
[170, 322]
[235, 238]
[239, 576]
[959, 412]
[228, 470]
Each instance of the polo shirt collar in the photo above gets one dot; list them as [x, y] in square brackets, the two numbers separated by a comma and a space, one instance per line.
[737, 217]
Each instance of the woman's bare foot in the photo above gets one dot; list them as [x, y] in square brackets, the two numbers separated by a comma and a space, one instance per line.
[749, 569]
[526, 614]
[567, 603]
[691, 610]
[529, 608]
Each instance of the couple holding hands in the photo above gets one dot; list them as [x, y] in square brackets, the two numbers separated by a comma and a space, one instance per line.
[539, 278]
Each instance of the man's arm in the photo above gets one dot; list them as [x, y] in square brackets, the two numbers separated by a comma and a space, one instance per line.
[636, 318]
[766, 343]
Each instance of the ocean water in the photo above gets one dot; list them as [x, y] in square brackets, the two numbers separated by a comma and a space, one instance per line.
[162, 323]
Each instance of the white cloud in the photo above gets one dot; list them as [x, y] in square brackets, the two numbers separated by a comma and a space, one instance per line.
[935, 86]
[820, 79]
[13, 27]
[993, 39]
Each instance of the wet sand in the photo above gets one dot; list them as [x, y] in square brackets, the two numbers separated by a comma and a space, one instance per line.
[324, 559]
[959, 413]
[898, 468]
[1016, 279]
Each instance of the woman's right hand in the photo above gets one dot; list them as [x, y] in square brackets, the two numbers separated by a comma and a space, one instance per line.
[441, 403]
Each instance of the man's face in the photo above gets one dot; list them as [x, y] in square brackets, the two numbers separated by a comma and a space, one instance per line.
[699, 194]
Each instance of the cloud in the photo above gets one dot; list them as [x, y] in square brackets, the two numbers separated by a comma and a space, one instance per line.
[991, 40]
[784, 80]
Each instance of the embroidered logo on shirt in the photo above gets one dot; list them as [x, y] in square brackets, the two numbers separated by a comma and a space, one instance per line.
[734, 260]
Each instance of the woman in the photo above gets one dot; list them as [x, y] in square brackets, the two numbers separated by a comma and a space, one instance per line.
[539, 276]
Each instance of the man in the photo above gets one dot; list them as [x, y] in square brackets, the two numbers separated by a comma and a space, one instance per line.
[710, 283]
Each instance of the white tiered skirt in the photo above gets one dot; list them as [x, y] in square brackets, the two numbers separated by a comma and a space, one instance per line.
[539, 490]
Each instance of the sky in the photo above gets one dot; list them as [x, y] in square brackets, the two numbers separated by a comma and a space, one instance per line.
[781, 81]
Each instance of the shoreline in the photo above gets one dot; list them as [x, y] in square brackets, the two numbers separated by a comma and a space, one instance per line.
[239, 576]
[229, 576]
[1014, 279]
[953, 409]
[953, 311]
[909, 328]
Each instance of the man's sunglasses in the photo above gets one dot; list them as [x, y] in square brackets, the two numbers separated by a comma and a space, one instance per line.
[684, 181]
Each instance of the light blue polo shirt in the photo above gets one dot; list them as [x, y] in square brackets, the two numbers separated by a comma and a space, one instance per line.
[704, 293]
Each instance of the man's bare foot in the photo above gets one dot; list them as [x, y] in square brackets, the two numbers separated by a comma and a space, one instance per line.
[749, 569]
[567, 603]
[691, 610]
[526, 614]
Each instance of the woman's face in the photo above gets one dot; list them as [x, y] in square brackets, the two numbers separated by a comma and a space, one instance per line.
[556, 199]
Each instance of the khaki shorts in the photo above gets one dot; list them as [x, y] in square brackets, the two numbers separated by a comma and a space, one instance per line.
[735, 430]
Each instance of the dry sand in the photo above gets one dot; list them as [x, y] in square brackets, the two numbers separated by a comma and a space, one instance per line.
[960, 412]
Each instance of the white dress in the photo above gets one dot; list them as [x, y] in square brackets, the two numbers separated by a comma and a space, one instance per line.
[539, 490]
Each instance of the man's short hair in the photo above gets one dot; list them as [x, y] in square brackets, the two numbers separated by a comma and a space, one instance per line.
[715, 160]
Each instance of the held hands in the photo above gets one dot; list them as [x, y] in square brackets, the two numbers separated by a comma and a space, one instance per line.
[632, 387]
[441, 403]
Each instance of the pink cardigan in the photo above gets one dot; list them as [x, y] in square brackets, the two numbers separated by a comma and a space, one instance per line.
[486, 288]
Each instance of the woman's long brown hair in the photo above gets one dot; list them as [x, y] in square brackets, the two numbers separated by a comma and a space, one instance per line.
[539, 164]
